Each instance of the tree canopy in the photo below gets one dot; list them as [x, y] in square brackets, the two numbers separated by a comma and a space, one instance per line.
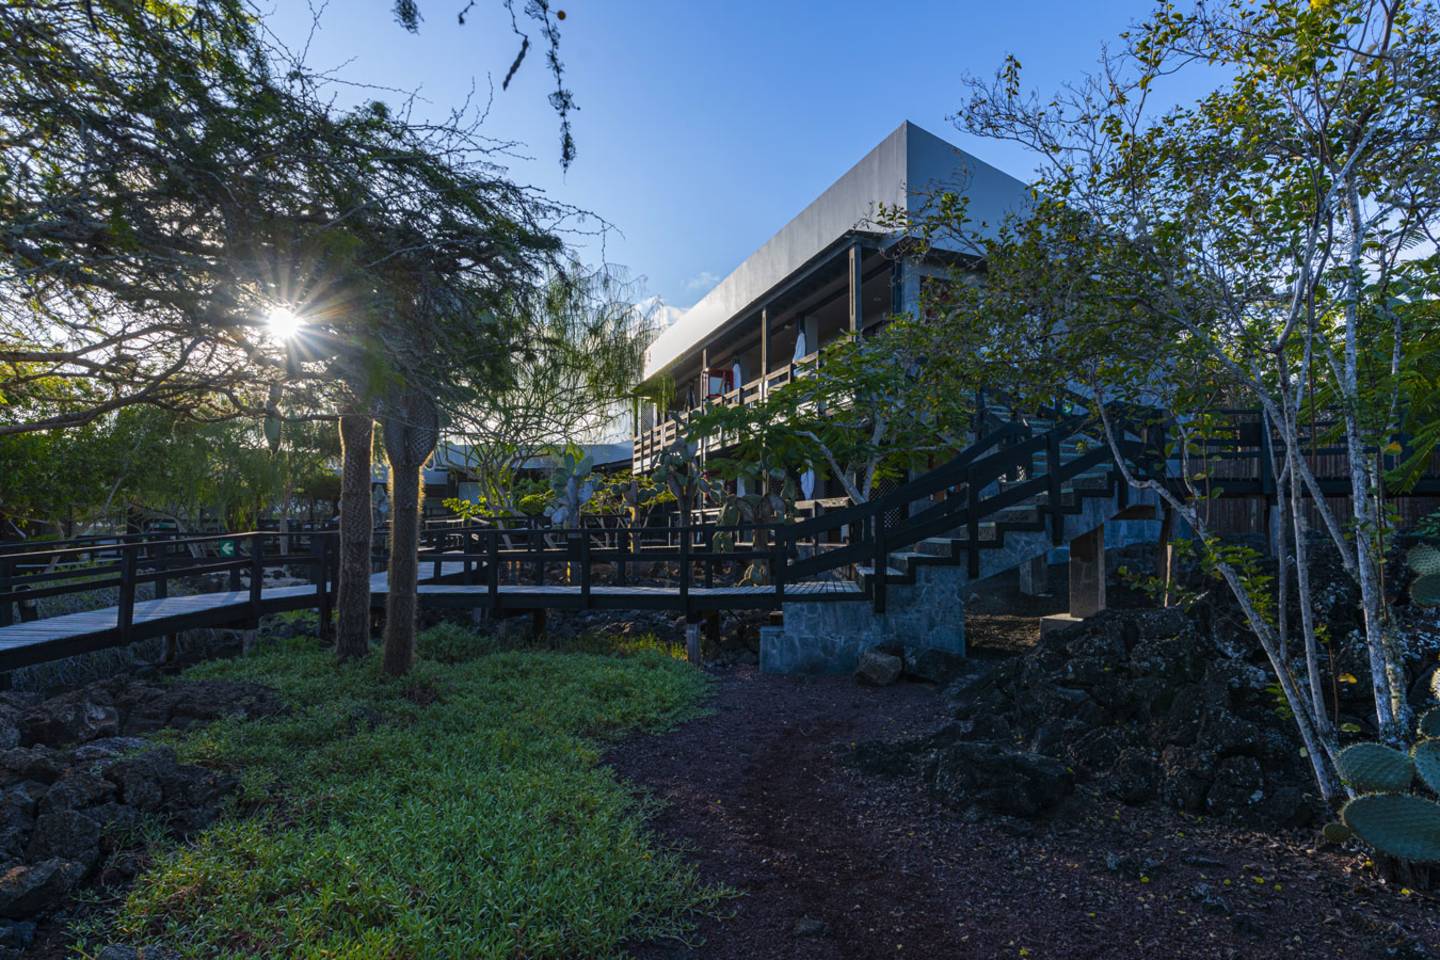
[168, 180]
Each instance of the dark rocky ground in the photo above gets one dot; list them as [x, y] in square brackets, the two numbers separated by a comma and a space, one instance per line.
[827, 806]
[80, 788]
[1124, 789]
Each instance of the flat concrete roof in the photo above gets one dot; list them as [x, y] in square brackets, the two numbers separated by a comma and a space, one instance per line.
[901, 171]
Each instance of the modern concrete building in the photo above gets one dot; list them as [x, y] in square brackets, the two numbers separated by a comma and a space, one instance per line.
[832, 270]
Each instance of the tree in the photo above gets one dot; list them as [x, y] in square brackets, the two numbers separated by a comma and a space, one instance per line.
[1264, 246]
[581, 347]
[170, 181]
[407, 14]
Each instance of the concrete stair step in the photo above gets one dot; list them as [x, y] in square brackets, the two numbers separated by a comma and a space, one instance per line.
[936, 547]
[904, 558]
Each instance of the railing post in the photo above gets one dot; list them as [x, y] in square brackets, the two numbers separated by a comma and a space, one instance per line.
[233, 577]
[160, 553]
[882, 559]
[622, 559]
[7, 606]
[257, 571]
[972, 525]
[466, 540]
[709, 561]
[777, 563]
[584, 569]
[321, 548]
[1052, 487]
[685, 569]
[125, 612]
[492, 567]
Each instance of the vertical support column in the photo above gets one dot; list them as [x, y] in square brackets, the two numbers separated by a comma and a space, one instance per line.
[897, 285]
[702, 391]
[857, 308]
[1165, 552]
[1087, 574]
[692, 639]
[764, 348]
[1034, 577]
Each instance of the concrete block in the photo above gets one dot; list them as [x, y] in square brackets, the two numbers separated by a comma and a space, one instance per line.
[1057, 621]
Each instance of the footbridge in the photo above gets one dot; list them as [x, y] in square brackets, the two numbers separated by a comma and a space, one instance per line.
[894, 569]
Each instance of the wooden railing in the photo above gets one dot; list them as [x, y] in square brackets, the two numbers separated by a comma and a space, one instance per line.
[84, 565]
[651, 443]
[959, 494]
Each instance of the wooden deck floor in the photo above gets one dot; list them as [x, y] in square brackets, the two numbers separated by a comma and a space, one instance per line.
[22, 644]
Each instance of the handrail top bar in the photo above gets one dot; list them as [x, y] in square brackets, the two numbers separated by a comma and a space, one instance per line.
[169, 542]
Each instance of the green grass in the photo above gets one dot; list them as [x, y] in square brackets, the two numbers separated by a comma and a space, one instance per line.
[457, 812]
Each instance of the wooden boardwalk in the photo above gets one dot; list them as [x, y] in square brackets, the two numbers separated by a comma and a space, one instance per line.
[36, 641]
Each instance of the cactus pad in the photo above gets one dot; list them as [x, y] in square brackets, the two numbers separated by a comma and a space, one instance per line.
[1376, 767]
[1429, 725]
[1336, 832]
[1427, 763]
[1397, 824]
[1424, 559]
[1425, 591]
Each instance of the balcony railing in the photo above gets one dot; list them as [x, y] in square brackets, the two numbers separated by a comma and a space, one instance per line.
[651, 443]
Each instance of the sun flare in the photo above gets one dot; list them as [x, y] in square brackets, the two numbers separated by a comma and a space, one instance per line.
[283, 322]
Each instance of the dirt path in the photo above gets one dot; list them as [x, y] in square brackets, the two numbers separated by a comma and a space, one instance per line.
[836, 864]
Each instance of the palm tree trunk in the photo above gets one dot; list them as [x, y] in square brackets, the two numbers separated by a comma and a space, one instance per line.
[352, 599]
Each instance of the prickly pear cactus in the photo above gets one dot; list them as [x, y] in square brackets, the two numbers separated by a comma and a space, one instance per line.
[1399, 825]
[1336, 832]
[572, 486]
[1424, 559]
[1425, 591]
[1426, 756]
[1376, 767]
[1429, 725]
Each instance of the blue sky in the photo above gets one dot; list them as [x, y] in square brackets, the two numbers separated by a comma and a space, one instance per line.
[705, 126]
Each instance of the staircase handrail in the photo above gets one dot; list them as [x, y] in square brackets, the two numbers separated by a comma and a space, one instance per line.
[970, 469]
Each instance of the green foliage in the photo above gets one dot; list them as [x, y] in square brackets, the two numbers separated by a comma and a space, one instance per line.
[1374, 766]
[536, 504]
[212, 471]
[631, 495]
[452, 643]
[1428, 526]
[457, 812]
[869, 409]
[1397, 824]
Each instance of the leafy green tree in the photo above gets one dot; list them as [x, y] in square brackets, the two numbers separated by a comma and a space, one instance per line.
[581, 347]
[1272, 245]
[168, 181]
